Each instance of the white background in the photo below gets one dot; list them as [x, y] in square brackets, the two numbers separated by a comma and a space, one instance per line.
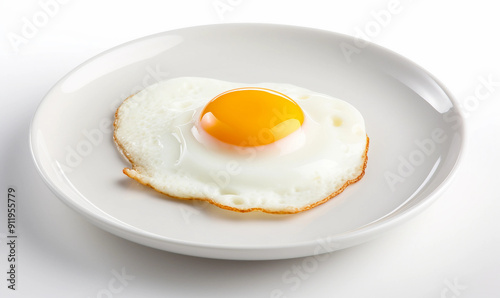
[450, 250]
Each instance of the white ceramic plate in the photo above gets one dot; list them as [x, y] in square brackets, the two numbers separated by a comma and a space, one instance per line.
[416, 139]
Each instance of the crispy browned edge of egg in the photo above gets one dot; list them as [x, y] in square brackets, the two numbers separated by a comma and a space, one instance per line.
[131, 173]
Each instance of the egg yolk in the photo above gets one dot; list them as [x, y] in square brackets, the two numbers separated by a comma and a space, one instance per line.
[251, 117]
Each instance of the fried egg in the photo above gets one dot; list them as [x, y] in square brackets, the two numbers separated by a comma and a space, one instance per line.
[271, 147]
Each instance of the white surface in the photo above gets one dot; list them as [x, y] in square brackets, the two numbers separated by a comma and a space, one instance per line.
[455, 241]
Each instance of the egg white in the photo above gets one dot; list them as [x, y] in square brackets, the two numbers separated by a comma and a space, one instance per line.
[156, 130]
